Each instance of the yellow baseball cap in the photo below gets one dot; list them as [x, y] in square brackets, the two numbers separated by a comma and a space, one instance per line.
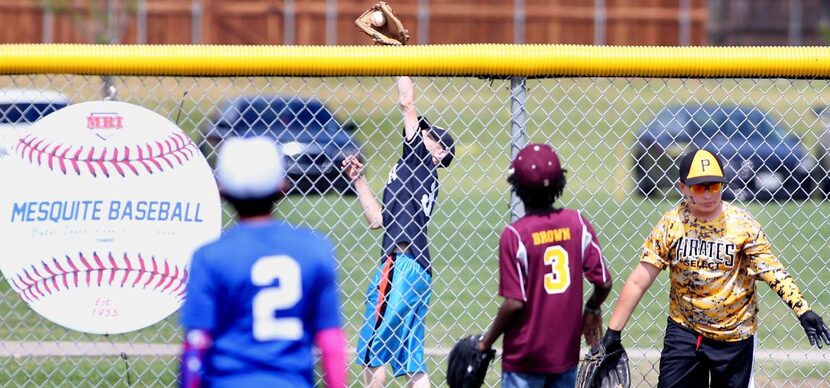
[701, 166]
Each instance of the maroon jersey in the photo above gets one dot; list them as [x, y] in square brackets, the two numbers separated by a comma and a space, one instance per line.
[542, 259]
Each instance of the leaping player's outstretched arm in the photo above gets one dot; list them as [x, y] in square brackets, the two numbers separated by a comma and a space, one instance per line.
[371, 208]
[406, 102]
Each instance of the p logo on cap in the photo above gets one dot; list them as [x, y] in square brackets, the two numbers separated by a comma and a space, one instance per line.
[701, 166]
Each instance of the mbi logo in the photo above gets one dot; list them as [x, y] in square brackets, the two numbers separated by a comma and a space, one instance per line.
[104, 124]
[104, 121]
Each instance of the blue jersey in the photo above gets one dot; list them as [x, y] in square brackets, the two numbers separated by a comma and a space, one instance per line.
[408, 200]
[263, 291]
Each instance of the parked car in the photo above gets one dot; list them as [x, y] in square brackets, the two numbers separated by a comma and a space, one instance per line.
[20, 108]
[761, 160]
[821, 174]
[313, 141]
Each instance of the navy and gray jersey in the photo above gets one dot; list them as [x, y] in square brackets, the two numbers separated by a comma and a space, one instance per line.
[408, 200]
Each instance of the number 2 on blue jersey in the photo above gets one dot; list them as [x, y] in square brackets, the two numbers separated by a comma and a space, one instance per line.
[286, 271]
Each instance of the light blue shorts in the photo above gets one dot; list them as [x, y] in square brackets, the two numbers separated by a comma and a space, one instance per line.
[396, 307]
[565, 379]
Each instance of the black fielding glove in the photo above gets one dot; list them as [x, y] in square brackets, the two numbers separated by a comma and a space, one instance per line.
[815, 328]
[613, 340]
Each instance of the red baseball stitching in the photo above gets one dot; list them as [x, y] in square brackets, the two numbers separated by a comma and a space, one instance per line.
[40, 280]
[152, 157]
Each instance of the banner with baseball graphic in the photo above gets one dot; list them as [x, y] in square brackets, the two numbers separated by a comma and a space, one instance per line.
[102, 205]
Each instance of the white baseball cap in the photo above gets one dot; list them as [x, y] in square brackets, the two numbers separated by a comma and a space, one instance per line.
[249, 168]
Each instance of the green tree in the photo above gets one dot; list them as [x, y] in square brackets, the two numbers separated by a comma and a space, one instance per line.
[99, 21]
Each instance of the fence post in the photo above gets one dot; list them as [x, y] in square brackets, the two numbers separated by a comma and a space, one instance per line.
[600, 19]
[196, 22]
[795, 27]
[289, 14]
[518, 120]
[519, 20]
[718, 14]
[684, 21]
[141, 22]
[423, 21]
[48, 23]
[331, 22]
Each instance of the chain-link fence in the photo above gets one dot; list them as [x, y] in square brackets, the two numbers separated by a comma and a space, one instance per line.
[617, 137]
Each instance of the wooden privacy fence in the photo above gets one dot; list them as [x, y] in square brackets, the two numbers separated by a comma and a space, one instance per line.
[309, 22]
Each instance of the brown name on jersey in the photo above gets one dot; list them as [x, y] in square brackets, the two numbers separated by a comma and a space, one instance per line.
[551, 235]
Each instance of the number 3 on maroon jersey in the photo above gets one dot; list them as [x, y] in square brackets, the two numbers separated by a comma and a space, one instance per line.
[558, 279]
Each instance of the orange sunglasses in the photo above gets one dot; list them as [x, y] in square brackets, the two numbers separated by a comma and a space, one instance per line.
[700, 189]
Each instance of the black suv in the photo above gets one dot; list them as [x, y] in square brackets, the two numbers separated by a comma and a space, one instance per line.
[761, 159]
[313, 141]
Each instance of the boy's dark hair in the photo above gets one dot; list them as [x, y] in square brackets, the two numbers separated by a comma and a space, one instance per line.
[539, 197]
[252, 207]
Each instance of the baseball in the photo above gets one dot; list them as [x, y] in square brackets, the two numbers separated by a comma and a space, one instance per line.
[378, 20]
[103, 204]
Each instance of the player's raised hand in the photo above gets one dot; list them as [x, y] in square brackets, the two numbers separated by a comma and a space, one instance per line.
[815, 328]
[353, 168]
[406, 102]
[406, 91]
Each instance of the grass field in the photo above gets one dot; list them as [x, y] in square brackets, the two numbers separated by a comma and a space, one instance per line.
[156, 372]
[591, 122]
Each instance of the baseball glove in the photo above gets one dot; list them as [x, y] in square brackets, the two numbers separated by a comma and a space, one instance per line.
[390, 33]
[467, 365]
[600, 370]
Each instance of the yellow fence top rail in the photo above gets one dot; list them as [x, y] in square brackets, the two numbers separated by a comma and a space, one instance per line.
[485, 60]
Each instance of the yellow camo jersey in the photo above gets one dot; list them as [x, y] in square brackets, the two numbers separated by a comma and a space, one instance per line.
[712, 268]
